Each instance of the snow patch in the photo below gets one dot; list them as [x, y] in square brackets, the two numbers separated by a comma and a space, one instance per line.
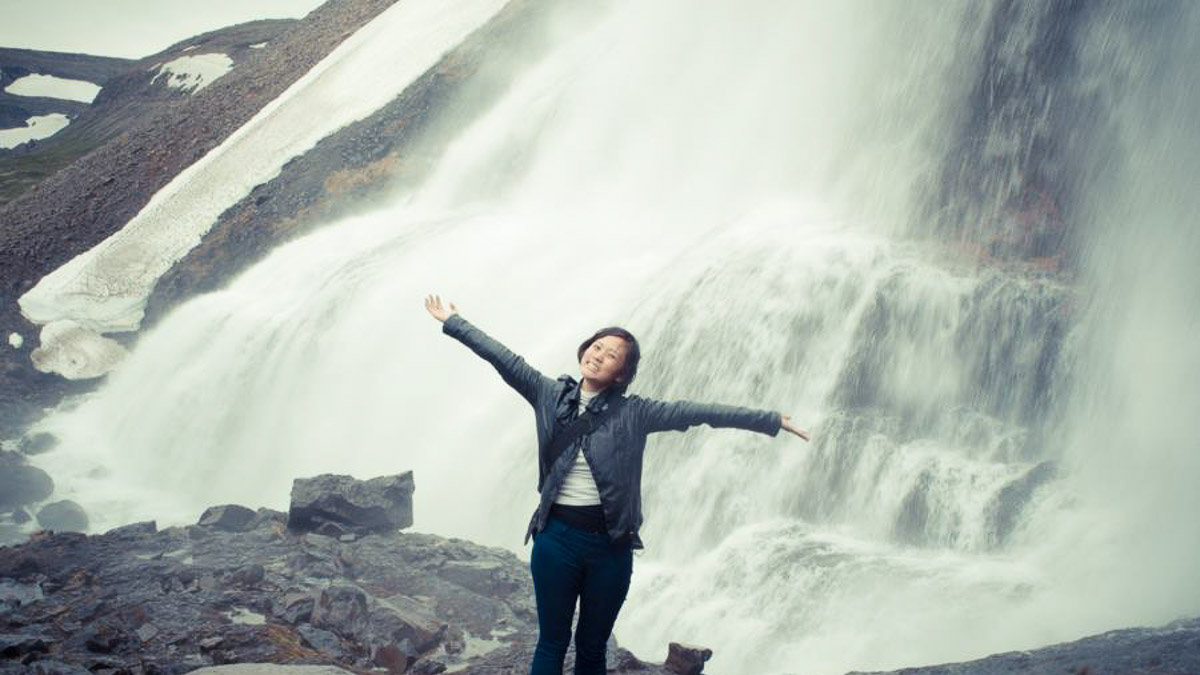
[75, 352]
[15, 340]
[106, 287]
[245, 616]
[193, 73]
[50, 86]
[258, 45]
[37, 128]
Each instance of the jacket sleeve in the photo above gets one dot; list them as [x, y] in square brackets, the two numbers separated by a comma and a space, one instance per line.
[516, 372]
[679, 415]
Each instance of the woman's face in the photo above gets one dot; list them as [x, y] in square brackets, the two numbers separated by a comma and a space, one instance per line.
[602, 362]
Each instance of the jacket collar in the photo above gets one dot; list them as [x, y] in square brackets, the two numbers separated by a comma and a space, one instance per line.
[568, 401]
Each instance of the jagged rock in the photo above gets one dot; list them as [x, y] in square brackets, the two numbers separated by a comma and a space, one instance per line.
[16, 594]
[295, 608]
[104, 637]
[247, 576]
[623, 660]
[52, 667]
[228, 517]
[134, 529]
[322, 641]
[428, 667]
[63, 516]
[686, 659]
[396, 658]
[35, 444]
[341, 608]
[15, 645]
[23, 484]
[266, 517]
[400, 620]
[486, 577]
[335, 505]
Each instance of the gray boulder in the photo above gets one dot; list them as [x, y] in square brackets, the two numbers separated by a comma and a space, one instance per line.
[35, 444]
[63, 516]
[335, 505]
[322, 640]
[405, 624]
[341, 609]
[686, 659]
[23, 484]
[228, 517]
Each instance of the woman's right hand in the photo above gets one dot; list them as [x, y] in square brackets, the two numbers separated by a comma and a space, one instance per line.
[433, 303]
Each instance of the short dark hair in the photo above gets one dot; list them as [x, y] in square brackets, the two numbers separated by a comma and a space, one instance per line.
[632, 356]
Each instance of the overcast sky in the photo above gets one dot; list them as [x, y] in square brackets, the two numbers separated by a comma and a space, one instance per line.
[129, 28]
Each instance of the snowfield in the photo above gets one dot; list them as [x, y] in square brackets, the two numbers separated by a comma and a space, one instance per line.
[39, 127]
[105, 288]
[50, 86]
[193, 73]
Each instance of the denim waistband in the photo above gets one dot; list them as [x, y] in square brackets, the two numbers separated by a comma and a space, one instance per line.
[586, 518]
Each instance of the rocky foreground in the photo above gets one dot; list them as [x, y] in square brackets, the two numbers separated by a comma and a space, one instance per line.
[333, 581]
[336, 582]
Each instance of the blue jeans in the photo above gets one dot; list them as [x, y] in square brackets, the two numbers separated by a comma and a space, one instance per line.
[568, 564]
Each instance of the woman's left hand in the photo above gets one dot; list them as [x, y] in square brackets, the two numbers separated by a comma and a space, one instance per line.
[786, 424]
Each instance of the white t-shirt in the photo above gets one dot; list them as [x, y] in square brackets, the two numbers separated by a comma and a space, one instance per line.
[579, 488]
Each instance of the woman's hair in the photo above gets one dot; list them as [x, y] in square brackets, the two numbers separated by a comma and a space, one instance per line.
[632, 355]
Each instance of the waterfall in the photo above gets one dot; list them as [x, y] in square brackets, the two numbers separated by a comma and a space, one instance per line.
[957, 242]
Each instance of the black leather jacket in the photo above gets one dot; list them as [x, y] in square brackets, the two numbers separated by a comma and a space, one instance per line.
[613, 449]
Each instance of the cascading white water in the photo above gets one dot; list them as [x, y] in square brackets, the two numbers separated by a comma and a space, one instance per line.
[737, 185]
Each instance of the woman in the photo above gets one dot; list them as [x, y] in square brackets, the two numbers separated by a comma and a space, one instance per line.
[590, 443]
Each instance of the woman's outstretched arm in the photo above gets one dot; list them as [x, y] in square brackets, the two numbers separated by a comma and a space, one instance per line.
[516, 372]
[679, 415]
[786, 425]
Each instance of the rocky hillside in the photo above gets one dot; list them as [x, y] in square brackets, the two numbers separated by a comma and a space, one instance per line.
[133, 92]
[85, 202]
[139, 133]
[18, 63]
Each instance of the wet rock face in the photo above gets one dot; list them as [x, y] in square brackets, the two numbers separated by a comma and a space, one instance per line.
[336, 505]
